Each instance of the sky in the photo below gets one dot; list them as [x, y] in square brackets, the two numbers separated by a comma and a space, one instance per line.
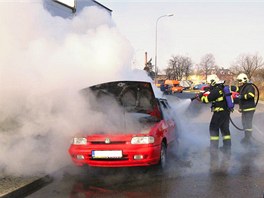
[224, 28]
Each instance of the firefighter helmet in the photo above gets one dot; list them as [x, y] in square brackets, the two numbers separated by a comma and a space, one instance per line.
[242, 78]
[213, 80]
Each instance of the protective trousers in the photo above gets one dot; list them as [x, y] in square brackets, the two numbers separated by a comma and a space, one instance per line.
[220, 121]
[247, 118]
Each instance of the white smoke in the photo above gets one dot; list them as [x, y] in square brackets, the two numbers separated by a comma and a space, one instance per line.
[193, 119]
[45, 61]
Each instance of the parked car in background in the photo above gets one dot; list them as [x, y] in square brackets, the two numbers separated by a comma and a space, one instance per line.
[142, 135]
[159, 83]
[205, 88]
[166, 88]
[185, 84]
[175, 86]
[200, 86]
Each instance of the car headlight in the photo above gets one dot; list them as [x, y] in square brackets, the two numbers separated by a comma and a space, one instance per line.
[79, 141]
[142, 140]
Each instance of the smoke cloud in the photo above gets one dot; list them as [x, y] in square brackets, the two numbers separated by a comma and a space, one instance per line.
[45, 61]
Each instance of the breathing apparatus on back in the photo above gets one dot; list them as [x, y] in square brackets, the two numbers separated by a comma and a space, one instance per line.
[227, 94]
[220, 84]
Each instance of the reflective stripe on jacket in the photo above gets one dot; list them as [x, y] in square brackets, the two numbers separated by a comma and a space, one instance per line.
[217, 98]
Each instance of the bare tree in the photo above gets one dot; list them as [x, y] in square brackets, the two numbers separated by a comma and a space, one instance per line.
[247, 64]
[187, 67]
[179, 67]
[207, 63]
[259, 76]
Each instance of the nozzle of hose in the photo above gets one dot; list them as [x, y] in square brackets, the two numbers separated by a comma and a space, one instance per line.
[194, 98]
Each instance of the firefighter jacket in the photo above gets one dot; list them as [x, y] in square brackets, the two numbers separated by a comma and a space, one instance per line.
[246, 96]
[216, 97]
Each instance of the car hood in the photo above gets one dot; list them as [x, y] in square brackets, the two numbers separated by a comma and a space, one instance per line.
[123, 106]
[133, 96]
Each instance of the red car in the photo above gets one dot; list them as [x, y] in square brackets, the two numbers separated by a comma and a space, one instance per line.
[141, 137]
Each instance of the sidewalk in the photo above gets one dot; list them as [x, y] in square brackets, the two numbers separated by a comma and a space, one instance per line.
[12, 187]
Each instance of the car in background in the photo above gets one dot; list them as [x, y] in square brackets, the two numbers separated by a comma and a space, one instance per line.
[200, 86]
[205, 88]
[174, 86]
[159, 83]
[142, 135]
[166, 88]
[185, 84]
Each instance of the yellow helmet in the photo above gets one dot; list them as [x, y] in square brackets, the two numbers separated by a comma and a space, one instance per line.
[242, 78]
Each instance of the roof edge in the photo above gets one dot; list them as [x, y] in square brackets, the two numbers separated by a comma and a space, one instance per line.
[102, 6]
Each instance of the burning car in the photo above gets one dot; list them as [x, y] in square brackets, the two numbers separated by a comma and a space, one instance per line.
[146, 127]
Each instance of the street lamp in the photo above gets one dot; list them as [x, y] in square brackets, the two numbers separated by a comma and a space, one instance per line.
[167, 15]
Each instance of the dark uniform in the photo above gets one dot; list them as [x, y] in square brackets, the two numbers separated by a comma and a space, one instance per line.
[247, 107]
[219, 121]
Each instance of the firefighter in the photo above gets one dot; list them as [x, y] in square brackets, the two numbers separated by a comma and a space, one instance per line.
[247, 106]
[219, 121]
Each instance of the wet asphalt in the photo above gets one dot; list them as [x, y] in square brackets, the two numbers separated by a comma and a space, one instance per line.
[188, 174]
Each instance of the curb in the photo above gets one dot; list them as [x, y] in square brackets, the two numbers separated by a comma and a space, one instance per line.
[29, 188]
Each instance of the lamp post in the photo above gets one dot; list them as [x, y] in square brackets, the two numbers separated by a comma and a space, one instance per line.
[156, 48]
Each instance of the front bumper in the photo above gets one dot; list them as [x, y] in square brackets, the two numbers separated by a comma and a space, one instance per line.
[146, 155]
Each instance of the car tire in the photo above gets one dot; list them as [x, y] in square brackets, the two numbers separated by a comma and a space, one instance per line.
[163, 156]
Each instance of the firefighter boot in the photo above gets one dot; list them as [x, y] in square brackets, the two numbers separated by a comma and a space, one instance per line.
[226, 150]
[247, 140]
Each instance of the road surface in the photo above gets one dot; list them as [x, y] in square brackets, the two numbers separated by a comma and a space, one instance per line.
[188, 174]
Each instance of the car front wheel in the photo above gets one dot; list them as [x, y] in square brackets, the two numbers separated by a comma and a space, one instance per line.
[163, 156]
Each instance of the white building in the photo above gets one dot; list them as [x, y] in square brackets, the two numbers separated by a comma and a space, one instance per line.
[70, 8]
